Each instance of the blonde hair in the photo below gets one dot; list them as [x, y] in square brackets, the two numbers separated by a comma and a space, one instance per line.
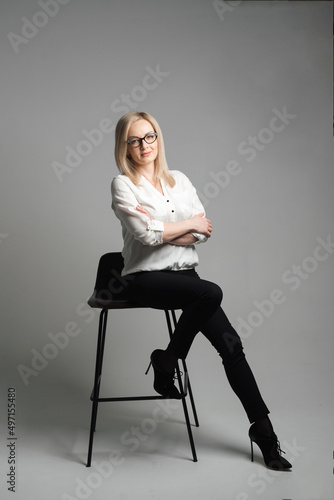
[124, 161]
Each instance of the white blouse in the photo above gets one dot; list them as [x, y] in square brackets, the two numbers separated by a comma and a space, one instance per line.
[143, 248]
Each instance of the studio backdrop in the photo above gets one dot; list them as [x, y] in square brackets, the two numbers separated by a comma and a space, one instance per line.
[243, 94]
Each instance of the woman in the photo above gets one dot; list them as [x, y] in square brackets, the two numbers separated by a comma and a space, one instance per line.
[162, 220]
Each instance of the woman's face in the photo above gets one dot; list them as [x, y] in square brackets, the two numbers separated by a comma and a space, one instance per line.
[145, 154]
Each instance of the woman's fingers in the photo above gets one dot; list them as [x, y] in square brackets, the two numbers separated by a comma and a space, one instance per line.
[143, 211]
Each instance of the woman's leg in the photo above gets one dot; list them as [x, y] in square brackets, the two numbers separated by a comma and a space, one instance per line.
[219, 331]
[200, 303]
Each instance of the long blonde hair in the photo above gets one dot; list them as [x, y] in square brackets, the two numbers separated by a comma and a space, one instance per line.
[124, 161]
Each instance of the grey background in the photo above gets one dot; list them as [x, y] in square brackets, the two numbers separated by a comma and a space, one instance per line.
[222, 79]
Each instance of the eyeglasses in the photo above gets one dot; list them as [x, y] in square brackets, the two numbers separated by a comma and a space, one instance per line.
[149, 138]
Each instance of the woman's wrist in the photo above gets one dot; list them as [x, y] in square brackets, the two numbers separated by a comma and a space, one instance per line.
[173, 230]
[186, 239]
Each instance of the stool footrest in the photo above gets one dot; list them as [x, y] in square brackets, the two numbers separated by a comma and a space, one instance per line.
[133, 398]
[184, 394]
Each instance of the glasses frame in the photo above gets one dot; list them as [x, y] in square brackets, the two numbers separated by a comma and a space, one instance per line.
[141, 139]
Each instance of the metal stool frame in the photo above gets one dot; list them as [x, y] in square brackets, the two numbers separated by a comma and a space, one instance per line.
[111, 303]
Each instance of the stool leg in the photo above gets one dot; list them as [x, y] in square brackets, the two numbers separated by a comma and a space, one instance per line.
[97, 379]
[184, 404]
[185, 369]
[192, 401]
[186, 416]
[91, 434]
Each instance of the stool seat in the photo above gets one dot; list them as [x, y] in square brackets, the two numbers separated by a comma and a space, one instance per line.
[110, 294]
[98, 303]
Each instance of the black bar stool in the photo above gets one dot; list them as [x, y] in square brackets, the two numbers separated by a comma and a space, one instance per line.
[109, 294]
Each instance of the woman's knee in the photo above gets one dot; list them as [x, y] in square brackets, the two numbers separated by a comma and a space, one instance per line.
[213, 293]
[210, 295]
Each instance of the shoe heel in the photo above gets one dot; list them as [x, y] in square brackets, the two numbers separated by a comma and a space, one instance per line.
[148, 369]
[252, 455]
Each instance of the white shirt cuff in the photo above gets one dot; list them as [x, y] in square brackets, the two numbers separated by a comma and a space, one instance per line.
[155, 225]
[200, 238]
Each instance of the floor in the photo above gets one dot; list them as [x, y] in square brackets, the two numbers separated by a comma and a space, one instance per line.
[141, 449]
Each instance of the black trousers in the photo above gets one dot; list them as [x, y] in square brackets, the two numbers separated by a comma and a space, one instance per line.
[200, 302]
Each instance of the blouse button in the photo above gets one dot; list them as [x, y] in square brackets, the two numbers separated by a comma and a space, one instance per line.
[172, 211]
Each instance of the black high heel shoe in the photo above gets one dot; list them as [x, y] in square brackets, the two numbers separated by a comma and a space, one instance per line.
[163, 381]
[270, 449]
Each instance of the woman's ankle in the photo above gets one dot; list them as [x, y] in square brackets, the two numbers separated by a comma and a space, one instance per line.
[264, 426]
[168, 360]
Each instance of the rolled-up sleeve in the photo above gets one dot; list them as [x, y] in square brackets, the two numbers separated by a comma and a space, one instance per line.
[200, 238]
[124, 203]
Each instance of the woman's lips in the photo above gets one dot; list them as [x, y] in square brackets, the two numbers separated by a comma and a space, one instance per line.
[146, 154]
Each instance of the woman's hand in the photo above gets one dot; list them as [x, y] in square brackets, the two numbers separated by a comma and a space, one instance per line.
[143, 211]
[201, 225]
